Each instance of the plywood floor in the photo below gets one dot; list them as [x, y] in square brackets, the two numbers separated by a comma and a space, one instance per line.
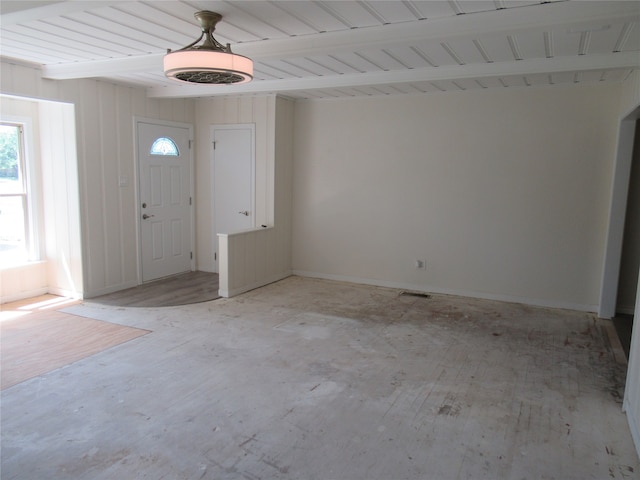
[312, 379]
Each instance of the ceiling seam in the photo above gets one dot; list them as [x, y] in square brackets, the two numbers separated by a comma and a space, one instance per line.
[483, 51]
[321, 65]
[373, 12]
[548, 44]
[452, 53]
[348, 65]
[624, 37]
[297, 17]
[396, 59]
[409, 5]
[335, 14]
[248, 13]
[515, 49]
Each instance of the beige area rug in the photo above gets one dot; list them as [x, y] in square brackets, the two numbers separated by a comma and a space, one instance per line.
[36, 338]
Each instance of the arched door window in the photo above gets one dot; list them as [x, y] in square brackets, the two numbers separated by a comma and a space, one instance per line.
[164, 146]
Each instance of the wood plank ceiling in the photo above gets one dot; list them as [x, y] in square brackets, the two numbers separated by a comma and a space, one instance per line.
[329, 49]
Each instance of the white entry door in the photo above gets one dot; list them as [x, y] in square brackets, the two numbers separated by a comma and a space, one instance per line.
[233, 178]
[164, 173]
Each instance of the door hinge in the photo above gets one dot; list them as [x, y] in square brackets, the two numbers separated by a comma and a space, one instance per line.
[189, 144]
[215, 255]
[214, 145]
[191, 255]
[190, 201]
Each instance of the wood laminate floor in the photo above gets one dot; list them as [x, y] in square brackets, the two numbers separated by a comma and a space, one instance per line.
[183, 289]
[38, 338]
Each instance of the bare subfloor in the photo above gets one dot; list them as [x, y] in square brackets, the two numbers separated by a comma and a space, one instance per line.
[311, 379]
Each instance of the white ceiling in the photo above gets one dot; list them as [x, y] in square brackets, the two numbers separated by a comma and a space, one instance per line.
[327, 49]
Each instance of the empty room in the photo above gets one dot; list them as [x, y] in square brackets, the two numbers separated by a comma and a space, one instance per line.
[320, 239]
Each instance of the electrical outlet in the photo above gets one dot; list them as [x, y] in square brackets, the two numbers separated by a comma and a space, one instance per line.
[421, 264]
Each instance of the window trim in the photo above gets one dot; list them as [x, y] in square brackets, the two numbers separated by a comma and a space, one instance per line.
[31, 195]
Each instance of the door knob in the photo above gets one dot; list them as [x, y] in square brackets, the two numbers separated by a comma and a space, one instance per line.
[244, 212]
[145, 216]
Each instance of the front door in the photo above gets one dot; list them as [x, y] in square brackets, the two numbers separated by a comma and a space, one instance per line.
[233, 178]
[164, 173]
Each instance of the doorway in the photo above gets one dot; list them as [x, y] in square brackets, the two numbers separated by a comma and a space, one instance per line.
[617, 215]
[165, 199]
[233, 180]
[630, 257]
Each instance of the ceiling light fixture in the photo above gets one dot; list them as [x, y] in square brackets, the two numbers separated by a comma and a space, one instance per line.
[209, 63]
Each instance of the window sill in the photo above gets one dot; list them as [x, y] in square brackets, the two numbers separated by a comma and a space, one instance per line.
[20, 264]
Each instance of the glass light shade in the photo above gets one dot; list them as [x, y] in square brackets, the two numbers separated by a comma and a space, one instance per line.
[208, 67]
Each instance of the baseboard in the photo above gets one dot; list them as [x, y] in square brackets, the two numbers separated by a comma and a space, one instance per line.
[24, 294]
[614, 341]
[206, 269]
[62, 292]
[107, 290]
[626, 310]
[252, 286]
[633, 425]
[446, 291]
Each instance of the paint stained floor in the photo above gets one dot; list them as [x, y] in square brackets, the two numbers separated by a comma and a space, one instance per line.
[312, 379]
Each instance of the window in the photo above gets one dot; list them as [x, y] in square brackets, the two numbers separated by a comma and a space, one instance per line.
[16, 239]
[164, 146]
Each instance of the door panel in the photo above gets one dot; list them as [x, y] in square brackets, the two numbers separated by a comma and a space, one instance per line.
[165, 201]
[234, 178]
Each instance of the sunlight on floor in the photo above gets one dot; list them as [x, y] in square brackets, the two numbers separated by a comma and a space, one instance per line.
[17, 309]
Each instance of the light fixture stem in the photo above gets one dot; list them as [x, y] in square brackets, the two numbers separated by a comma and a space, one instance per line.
[207, 21]
[211, 43]
[190, 45]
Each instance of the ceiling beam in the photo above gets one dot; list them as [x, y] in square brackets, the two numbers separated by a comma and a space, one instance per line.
[622, 60]
[510, 21]
[501, 22]
[103, 68]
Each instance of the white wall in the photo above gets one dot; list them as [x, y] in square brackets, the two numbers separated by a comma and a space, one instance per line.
[259, 110]
[25, 281]
[283, 182]
[253, 258]
[504, 194]
[630, 97]
[250, 259]
[63, 246]
[105, 149]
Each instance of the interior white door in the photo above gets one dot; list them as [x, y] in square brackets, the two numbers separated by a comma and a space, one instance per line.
[164, 173]
[233, 178]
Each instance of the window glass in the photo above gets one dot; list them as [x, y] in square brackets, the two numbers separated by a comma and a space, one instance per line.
[164, 146]
[12, 227]
[11, 176]
[14, 212]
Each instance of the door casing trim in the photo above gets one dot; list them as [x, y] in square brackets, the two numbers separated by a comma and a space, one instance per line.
[230, 126]
[136, 180]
